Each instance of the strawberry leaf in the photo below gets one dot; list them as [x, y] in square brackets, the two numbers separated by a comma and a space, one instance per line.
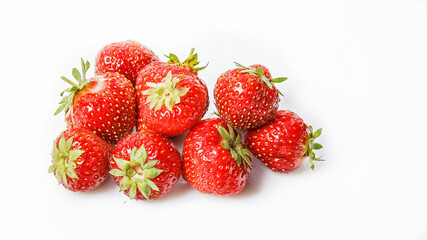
[125, 183]
[63, 160]
[317, 146]
[233, 143]
[151, 164]
[144, 189]
[152, 172]
[71, 173]
[68, 99]
[74, 154]
[76, 75]
[137, 173]
[259, 72]
[68, 144]
[173, 59]
[121, 163]
[117, 173]
[311, 164]
[224, 134]
[191, 61]
[317, 133]
[59, 177]
[313, 146]
[51, 168]
[132, 191]
[85, 66]
[68, 81]
[64, 177]
[279, 79]
[61, 144]
[152, 185]
[167, 93]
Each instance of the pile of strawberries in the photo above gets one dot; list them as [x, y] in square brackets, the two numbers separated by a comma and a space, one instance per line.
[132, 88]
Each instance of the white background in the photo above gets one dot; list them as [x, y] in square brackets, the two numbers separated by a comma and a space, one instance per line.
[356, 68]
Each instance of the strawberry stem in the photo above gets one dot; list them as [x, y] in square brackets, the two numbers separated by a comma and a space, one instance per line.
[313, 146]
[191, 61]
[137, 173]
[233, 143]
[70, 93]
[63, 159]
[167, 93]
[259, 72]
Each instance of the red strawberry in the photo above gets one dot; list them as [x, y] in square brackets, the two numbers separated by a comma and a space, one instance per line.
[245, 97]
[145, 165]
[104, 104]
[127, 58]
[171, 97]
[214, 159]
[284, 143]
[80, 159]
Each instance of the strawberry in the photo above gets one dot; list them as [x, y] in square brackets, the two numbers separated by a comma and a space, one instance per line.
[214, 159]
[145, 165]
[246, 97]
[284, 143]
[80, 159]
[104, 104]
[127, 58]
[171, 97]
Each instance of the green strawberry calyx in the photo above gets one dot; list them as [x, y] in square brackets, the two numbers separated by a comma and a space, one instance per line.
[313, 146]
[233, 143]
[137, 173]
[259, 72]
[167, 93]
[64, 160]
[191, 62]
[69, 93]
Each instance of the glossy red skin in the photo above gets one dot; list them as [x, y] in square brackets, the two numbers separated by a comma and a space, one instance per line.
[243, 100]
[92, 165]
[207, 166]
[185, 114]
[109, 111]
[127, 57]
[282, 143]
[158, 148]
